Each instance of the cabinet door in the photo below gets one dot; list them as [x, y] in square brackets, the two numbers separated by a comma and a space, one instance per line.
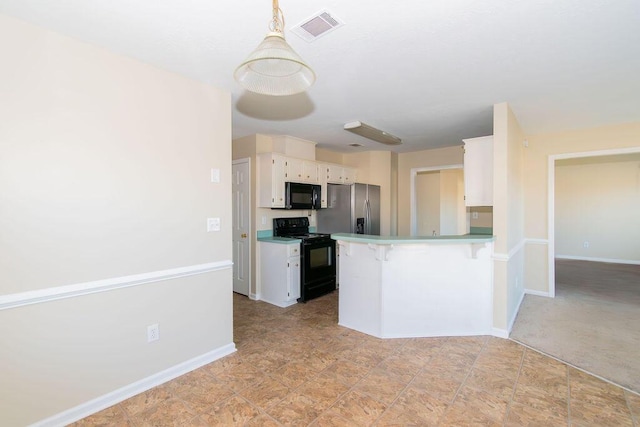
[322, 180]
[478, 171]
[349, 175]
[294, 171]
[270, 180]
[294, 279]
[334, 174]
[278, 179]
[310, 171]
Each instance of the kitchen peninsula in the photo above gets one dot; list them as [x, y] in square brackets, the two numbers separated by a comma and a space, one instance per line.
[392, 287]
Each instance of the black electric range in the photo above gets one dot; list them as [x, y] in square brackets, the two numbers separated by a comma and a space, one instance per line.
[317, 256]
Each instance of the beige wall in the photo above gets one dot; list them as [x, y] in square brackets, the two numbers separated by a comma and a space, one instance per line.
[419, 159]
[540, 147]
[597, 201]
[508, 216]
[428, 203]
[105, 172]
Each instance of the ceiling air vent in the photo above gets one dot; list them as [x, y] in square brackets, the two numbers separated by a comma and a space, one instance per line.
[316, 26]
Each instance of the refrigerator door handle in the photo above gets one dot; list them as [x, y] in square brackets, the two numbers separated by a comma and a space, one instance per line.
[368, 218]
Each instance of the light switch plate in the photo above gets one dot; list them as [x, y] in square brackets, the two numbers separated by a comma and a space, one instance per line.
[215, 175]
[213, 224]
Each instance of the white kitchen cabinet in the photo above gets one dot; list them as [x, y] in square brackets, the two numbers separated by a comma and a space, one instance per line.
[337, 174]
[349, 175]
[271, 175]
[280, 272]
[299, 170]
[478, 171]
[322, 180]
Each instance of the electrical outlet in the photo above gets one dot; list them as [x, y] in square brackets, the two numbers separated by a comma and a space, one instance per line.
[585, 245]
[153, 332]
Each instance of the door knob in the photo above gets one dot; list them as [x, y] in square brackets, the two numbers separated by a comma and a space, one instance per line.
[243, 235]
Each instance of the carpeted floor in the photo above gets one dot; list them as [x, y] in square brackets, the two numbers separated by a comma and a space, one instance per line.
[593, 322]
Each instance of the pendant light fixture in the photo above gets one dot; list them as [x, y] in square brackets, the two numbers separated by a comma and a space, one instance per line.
[273, 68]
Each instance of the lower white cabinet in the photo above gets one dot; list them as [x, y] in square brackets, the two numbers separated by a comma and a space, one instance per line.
[280, 272]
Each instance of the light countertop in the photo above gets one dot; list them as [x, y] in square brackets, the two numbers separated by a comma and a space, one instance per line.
[408, 240]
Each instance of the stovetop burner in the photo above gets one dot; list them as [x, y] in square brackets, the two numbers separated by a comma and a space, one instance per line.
[297, 227]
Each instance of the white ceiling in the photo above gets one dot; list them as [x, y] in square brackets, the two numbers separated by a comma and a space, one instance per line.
[428, 72]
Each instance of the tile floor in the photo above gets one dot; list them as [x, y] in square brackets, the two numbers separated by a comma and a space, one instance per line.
[296, 366]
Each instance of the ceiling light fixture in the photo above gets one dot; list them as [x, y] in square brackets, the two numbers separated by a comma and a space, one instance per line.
[274, 68]
[370, 132]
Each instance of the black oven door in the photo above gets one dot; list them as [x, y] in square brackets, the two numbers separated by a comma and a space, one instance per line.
[318, 273]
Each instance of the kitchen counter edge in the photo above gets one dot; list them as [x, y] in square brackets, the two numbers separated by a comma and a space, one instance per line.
[408, 240]
[280, 240]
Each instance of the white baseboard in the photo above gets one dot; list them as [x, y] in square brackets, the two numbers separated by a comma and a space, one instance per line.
[500, 333]
[536, 293]
[596, 259]
[255, 297]
[98, 404]
[515, 314]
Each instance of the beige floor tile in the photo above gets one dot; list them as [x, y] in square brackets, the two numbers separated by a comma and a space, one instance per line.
[490, 406]
[112, 416]
[294, 374]
[414, 407]
[295, 410]
[235, 411]
[437, 385]
[541, 398]
[171, 412]
[332, 419]
[146, 400]
[346, 372]
[359, 407]
[239, 377]
[265, 392]
[523, 415]
[201, 393]
[491, 383]
[633, 401]
[400, 367]
[458, 415]
[381, 386]
[324, 390]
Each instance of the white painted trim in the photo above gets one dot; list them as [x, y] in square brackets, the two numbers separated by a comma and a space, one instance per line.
[512, 252]
[536, 293]
[537, 241]
[551, 184]
[500, 333]
[412, 192]
[95, 405]
[255, 297]
[69, 291]
[595, 259]
[515, 314]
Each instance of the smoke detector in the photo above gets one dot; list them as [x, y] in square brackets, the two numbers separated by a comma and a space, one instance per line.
[316, 26]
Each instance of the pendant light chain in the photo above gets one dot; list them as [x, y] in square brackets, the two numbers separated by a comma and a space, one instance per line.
[277, 22]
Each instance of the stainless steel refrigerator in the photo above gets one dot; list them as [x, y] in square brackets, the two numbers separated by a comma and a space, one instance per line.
[353, 208]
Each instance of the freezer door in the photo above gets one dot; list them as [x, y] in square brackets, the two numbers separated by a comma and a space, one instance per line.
[336, 218]
[359, 209]
[373, 195]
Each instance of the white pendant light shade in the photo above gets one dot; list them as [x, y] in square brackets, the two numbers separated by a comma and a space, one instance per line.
[274, 69]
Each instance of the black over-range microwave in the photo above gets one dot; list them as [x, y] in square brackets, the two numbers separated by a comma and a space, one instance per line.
[301, 196]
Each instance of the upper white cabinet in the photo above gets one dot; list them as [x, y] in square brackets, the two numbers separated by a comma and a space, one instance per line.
[299, 170]
[478, 171]
[337, 174]
[272, 178]
[275, 169]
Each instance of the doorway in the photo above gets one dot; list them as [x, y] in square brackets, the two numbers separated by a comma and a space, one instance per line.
[437, 201]
[554, 161]
[241, 236]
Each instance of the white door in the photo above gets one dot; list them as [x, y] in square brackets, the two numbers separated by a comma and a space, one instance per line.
[241, 226]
